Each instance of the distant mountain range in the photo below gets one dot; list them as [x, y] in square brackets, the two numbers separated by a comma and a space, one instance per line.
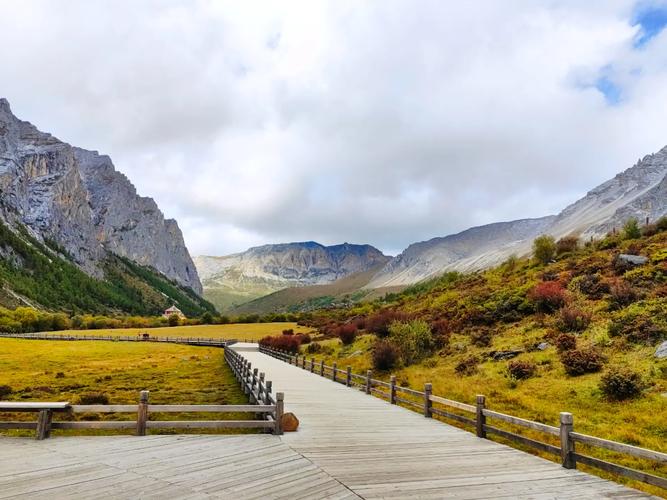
[67, 211]
[232, 280]
[639, 192]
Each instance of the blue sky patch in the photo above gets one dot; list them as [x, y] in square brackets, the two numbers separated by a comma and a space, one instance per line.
[652, 19]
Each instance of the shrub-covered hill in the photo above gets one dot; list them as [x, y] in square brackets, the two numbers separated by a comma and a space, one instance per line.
[42, 276]
[577, 334]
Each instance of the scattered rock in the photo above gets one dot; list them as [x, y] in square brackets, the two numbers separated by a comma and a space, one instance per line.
[543, 346]
[502, 355]
[661, 351]
[289, 422]
[355, 353]
[635, 260]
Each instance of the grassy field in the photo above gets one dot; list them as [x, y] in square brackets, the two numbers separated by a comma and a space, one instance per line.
[65, 371]
[640, 422]
[239, 331]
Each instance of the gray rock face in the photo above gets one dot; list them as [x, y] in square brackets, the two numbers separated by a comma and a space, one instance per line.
[269, 268]
[661, 351]
[639, 192]
[77, 199]
[635, 260]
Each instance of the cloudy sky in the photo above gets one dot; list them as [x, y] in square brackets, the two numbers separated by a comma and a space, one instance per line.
[382, 122]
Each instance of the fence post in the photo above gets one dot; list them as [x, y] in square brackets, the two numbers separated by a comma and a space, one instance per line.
[321, 368]
[392, 390]
[312, 365]
[428, 390]
[368, 381]
[566, 442]
[43, 424]
[267, 398]
[333, 375]
[142, 413]
[480, 421]
[296, 360]
[348, 376]
[303, 362]
[280, 408]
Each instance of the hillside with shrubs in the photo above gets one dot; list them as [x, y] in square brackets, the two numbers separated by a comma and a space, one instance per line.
[576, 327]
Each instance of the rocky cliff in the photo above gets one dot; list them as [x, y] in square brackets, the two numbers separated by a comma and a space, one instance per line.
[75, 199]
[639, 192]
[234, 279]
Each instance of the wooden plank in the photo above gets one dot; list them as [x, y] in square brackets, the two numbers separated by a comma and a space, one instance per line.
[18, 425]
[211, 408]
[96, 424]
[523, 440]
[620, 447]
[554, 431]
[624, 471]
[26, 407]
[454, 404]
[453, 416]
[104, 408]
[209, 424]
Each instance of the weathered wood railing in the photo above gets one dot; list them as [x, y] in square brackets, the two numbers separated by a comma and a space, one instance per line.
[198, 341]
[477, 416]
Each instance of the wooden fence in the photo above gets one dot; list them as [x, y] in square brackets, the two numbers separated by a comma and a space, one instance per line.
[267, 410]
[478, 417]
[198, 341]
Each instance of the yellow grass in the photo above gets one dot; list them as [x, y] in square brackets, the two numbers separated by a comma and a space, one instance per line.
[239, 331]
[39, 370]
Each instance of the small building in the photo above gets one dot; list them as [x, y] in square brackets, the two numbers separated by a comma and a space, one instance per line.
[171, 311]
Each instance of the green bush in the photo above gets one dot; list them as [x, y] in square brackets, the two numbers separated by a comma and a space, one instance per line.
[631, 230]
[621, 383]
[414, 340]
[544, 248]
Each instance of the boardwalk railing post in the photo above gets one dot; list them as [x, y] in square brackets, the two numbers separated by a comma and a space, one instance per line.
[303, 362]
[368, 381]
[267, 397]
[480, 420]
[392, 389]
[43, 424]
[566, 442]
[428, 390]
[280, 409]
[321, 368]
[142, 413]
[348, 376]
[312, 365]
[333, 375]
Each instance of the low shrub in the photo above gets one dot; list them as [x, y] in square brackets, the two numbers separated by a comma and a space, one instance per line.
[288, 331]
[385, 355]
[572, 319]
[567, 244]
[622, 294]
[547, 296]
[94, 398]
[60, 375]
[565, 342]
[581, 361]
[379, 322]
[347, 333]
[5, 391]
[621, 383]
[481, 337]
[520, 370]
[442, 331]
[544, 248]
[414, 339]
[304, 338]
[641, 323]
[286, 343]
[467, 366]
[314, 348]
[590, 285]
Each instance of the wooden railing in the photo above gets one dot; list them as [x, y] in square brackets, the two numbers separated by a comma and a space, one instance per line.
[478, 415]
[198, 341]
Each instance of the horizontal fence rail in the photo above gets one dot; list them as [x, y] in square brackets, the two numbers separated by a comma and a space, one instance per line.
[477, 416]
[197, 341]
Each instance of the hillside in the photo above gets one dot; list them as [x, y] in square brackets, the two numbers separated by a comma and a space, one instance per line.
[77, 200]
[233, 280]
[42, 275]
[639, 192]
[344, 291]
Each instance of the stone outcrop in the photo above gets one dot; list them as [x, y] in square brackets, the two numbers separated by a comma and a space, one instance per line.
[77, 200]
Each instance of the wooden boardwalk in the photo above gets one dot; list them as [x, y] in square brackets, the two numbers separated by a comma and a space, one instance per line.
[349, 445]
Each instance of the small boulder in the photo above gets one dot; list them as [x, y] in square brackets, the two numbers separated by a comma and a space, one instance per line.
[543, 346]
[502, 355]
[661, 351]
[289, 422]
[635, 260]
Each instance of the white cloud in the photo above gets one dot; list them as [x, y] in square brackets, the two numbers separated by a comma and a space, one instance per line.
[378, 122]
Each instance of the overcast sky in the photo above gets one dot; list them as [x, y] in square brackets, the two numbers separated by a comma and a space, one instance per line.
[382, 122]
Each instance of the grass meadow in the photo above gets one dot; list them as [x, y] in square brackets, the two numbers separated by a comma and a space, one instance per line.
[239, 331]
[42, 370]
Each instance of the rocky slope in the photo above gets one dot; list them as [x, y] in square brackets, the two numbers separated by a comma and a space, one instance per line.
[234, 279]
[75, 200]
[640, 192]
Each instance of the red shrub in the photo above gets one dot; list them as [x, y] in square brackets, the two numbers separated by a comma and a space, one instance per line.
[580, 361]
[547, 296]
[288, 332]
[442, 331]
[379, 322]
[304, 338]
[288, 343]
[521, 369]
[571, 319]
[566, 342]
[347, 333]
[385, 355]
